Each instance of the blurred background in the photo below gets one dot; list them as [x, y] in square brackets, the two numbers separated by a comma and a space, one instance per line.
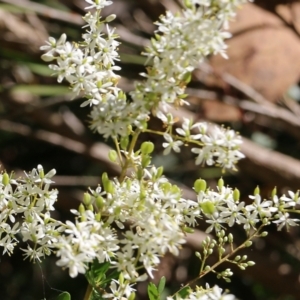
[256, 92]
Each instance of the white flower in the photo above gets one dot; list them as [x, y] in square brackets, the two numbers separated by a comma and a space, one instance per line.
[285, 220]
[264, 208]
[97, 4]
[171, 144]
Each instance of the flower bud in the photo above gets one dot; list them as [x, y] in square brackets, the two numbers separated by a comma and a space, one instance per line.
[248, 244]
[110, 18]
[188, 229]
[5, 179]
[99, 202]
[147, 148]
[81, 209]
[236, 195]
[41, 171]
[220, 183]
[121, 278]
[112, 155]
[131, 296]
[256, 191]
[274, 192]
[159, 171]
[146, 161]
[124, 142]
[200, 185]
[86, 199]
[208, 207]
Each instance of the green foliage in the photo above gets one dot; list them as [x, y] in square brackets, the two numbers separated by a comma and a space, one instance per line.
[64, 296]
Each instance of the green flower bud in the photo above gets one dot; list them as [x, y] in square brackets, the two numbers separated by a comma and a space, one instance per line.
[236, 195]
[200, 185]
[248, 244]
[5, 179]
[146, 161]
[41, 171]
[98, 217]
[208, 207]
[140, 173]
[250, 263]
[131, 296]
[159, 171]
[198, 254]
[274, 192]
[110, 18]
[187, 77]
[124, 142]
[86, 199]
[81, 209]
[147, 148]
[99, 202]
[256, 191]
[188, 4]
[112, 155]
[264, 233]
[220, 183]
[121, 278]
[188, 229]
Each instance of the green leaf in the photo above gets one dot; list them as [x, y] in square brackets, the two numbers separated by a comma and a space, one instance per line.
[64, 296]
[152, 291]
[184, 292]
[161, 285]
[40, 90]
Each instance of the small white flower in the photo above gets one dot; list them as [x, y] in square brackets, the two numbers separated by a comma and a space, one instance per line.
[171, 144]
[284, 220]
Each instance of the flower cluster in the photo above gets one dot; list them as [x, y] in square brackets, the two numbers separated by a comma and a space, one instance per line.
[181, 43]
[214, 293]
[89, 67]
[128, 223]
[25, 206]
[224, 207]
[215, 145]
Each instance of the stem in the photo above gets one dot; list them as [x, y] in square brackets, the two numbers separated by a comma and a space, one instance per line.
[88, 292]
[255, 234]
[118, 152]
[186, 140]
[131, 148]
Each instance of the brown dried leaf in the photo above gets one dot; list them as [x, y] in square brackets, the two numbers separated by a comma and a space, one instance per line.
[263, 53]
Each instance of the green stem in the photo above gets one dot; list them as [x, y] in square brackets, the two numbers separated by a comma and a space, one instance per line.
[88, 292]
[130, 150]
[211, 269]
[118, 152]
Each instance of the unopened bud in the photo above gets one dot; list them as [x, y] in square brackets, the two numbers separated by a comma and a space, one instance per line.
[110, 18]
[112, 155]
[5, 179]
[200, 185]
[147, 147]
[220, 183]
[256, 191]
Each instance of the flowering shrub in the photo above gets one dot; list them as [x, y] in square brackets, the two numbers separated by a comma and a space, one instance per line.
[123, 227]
